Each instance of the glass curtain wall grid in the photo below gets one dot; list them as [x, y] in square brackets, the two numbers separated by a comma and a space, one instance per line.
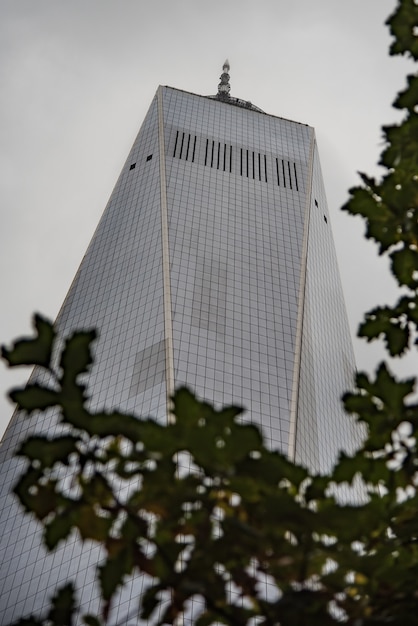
[212, 266]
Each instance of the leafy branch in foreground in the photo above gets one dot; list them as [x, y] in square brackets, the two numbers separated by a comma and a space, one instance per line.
[390, 205]
[202, 507]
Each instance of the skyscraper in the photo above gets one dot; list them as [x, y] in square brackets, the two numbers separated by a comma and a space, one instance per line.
[213, 266]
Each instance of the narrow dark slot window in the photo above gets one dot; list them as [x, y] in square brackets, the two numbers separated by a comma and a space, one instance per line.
[296, 177]
[247, 162]
[194, 148]
[284, 175]
[240, 161]
[325, 219]
[175, 145]
[206, 152]
[290, 176]
[230, 159]
[132, 166]
[253, 165]
[277, 170]
[316, 202]
[181, 147]
[224, 155]
[265, 167]
[219, 153]
[259, 166]
[187, 150]
[149, 157]
[213, 150]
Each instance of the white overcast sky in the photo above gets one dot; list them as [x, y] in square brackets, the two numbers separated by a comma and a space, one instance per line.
[76, 81]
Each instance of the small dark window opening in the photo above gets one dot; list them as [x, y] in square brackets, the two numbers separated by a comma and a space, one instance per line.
[211, 156]
[316, 202]
[290, 176]
[149, 157]
[284, 175]
[259, 166]
[219, 152]
[230, 159]
[277, 170]
[175, 145]
[181, 147]
[187, 150]
[206, 152]
[194, 149]
[325, 218]
[224, 155]
[240, 162]
[265, 167]
[296, 177]
[132, 166]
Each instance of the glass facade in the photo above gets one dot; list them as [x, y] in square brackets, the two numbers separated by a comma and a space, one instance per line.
[213, 266]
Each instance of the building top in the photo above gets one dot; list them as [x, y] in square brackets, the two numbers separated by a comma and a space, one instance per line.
[224, 88]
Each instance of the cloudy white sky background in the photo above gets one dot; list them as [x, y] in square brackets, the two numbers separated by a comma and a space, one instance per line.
[77, 78]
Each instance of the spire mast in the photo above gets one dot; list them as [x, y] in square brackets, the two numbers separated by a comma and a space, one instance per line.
[224, 87]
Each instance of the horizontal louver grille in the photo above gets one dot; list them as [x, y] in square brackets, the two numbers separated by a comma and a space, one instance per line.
[235, 160]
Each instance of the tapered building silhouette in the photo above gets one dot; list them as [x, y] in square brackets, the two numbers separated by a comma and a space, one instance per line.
[213, 266]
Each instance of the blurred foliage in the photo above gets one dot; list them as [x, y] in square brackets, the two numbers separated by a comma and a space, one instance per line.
[390, 206]
[205, 512]
[201, 509]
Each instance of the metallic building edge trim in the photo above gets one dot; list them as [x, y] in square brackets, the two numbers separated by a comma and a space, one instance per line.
[291, 451]
[168, 329]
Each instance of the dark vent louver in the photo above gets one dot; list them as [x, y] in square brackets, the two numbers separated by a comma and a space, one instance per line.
[182, 144]
[290, 176]
[284, 175]
[248, 163]
[175, 145]
[187, 150]
[206, 152]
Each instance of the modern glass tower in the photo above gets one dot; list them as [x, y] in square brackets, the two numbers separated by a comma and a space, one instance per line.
[213, 266]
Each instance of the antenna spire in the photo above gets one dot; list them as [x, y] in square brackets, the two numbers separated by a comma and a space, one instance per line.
[224, 87]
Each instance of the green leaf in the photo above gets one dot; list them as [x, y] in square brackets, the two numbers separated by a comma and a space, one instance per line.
[34, 398]
[91, 525]
[91, 620]
[405, 266]
[391, 323]
[76, 357]
[392, 391]
[150, 601]
[104, 424]
[32, 351]
[25, 486]
[114, 570]
[63, 606]
[396, 339]
[408, 98]
[402, 25]
[49, 450]
[97, 490]
[379, 219]
[58, 529]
